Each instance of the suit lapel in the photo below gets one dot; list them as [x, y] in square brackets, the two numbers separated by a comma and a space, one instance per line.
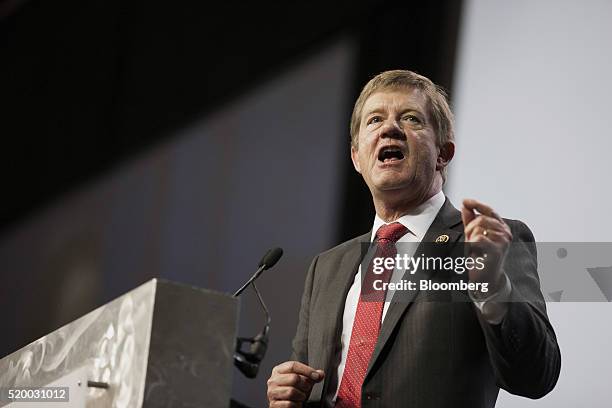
[447, 218]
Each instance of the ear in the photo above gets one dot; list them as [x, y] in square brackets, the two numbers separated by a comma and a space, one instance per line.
[355, 158]
[445, 154]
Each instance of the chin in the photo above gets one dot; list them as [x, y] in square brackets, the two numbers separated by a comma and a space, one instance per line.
[393, 181]
[393, 185]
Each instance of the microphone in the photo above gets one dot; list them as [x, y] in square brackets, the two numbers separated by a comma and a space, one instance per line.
[248, 361]
[269, 260]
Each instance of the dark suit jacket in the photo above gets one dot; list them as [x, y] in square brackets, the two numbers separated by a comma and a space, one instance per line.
[433, 354]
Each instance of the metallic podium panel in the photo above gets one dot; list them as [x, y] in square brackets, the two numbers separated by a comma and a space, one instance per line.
[160, 345]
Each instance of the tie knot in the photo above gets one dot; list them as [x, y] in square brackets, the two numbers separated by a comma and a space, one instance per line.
[390, 232]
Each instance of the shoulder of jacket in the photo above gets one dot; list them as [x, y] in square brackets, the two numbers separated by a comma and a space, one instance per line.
[343, 247]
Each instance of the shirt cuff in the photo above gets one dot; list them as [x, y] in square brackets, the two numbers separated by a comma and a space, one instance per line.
[494, 307]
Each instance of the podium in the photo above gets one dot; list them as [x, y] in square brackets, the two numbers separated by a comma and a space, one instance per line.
[162, 344]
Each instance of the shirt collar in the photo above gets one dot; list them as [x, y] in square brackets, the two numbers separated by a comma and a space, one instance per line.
[417, 221]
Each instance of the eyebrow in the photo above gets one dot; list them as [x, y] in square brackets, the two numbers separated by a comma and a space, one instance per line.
[376, 110]
[381, 110]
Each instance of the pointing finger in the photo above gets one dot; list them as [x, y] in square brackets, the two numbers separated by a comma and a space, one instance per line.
[481, 207]
[296, 367]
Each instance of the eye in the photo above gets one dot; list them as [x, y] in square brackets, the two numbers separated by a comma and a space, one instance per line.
[412, 118]
[374, 119]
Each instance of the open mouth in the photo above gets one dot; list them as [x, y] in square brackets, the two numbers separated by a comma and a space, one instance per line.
[390, 154]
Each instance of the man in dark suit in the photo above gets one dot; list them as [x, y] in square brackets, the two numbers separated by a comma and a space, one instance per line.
[424, 351]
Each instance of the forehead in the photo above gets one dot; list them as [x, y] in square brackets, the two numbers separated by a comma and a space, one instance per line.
[396, 99]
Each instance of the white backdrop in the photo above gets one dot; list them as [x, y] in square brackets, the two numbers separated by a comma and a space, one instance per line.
[532, 99]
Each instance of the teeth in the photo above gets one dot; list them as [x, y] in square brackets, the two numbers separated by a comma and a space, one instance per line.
[390, 153]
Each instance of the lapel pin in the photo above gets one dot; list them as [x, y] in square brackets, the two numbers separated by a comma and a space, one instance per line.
[442, 238]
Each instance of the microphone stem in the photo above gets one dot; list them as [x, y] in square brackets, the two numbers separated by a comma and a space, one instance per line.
[255, 275]
[263, 305]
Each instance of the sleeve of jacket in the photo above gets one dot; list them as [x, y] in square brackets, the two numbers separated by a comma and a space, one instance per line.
[300, 341]
[523, 348]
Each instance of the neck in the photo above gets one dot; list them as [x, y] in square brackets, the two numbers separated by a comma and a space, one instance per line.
[392, 205]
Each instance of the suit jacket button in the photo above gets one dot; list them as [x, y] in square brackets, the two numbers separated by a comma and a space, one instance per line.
[371, 396]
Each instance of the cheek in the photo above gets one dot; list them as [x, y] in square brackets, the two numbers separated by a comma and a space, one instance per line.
[364, 158]
[366, 147]
[424, 155]
[367, 141]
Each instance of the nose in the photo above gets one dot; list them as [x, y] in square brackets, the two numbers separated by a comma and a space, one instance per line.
[392, 129]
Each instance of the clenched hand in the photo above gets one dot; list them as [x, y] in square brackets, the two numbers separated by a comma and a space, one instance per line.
[290, 384]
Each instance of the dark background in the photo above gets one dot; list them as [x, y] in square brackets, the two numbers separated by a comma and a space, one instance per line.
[88, 87]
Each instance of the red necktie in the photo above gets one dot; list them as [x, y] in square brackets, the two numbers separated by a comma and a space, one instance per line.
[368, 316]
